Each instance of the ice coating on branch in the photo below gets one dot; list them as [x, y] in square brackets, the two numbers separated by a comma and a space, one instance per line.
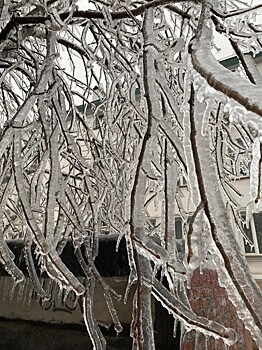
[94, 331]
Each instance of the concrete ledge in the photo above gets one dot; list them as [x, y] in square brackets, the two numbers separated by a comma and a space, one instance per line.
[21, 335]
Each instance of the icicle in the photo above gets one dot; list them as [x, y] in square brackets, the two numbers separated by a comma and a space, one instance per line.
[200, 87]
[65, 296]
[206, 346]
[175, 326]
[254, 169]
[6, 287]
[6, 258]
[21, 288]
[13, 291]
[198, 241]
[182, 334]
[201, 266]
[105, 325]
[75, 301]
[58, 296]
[119, 238]
[196, 346]
[226, 347]
[209, 105]
[48, 285]
[28, 296]
[71, 301]
[2, 285]
[182, 294]
[117, 325]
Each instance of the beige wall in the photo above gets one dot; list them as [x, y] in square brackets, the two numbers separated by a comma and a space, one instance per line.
[17, 304]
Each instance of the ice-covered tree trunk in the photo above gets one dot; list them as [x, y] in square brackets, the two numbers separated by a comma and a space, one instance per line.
[102, 110]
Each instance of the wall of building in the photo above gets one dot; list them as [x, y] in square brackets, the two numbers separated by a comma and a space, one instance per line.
[19, 302]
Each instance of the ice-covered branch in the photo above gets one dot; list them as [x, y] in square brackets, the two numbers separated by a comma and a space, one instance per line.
[101, 132]
[222, 79]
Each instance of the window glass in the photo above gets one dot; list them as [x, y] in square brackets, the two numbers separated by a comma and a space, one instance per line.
[258, 226]
[181, 181]
[178, 228]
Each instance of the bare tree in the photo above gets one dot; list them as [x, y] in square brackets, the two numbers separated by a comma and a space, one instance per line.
[102, 110]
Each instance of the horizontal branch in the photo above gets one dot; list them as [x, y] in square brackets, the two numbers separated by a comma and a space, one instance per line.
[88, 14]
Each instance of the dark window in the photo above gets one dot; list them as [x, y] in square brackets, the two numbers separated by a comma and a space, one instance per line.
[253, 233]
[258, 227]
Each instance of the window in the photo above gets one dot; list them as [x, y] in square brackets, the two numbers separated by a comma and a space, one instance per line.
[98, 121]
[253, 243]
[181, 181]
